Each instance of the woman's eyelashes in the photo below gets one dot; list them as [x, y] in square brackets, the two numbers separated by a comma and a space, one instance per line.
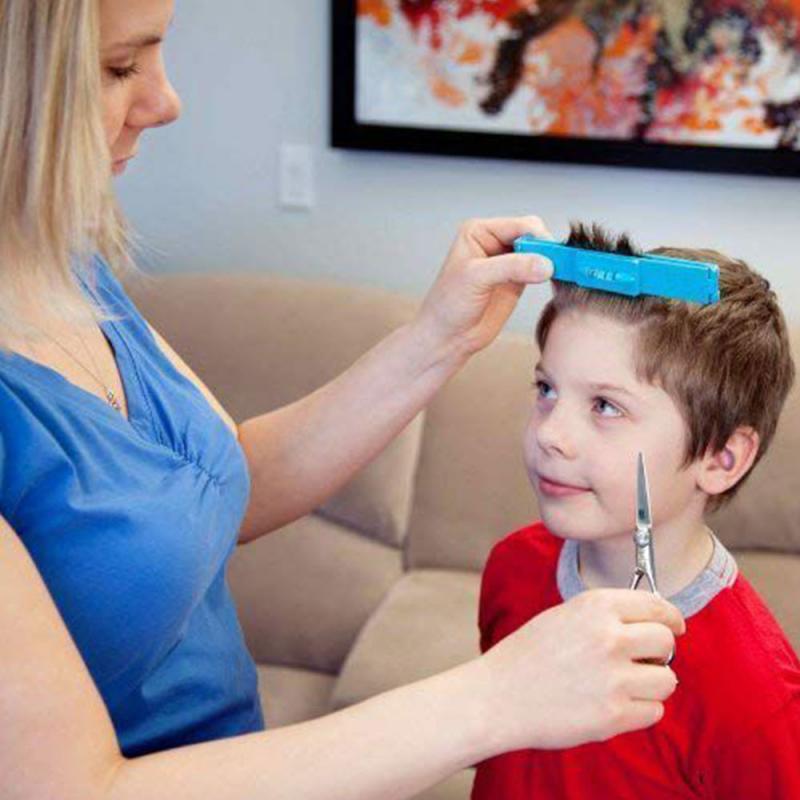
[601, 406]
[124, 73]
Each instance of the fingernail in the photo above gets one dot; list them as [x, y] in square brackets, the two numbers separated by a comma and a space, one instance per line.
[546, 264]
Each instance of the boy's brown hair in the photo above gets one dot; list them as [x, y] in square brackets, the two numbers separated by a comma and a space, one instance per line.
[726, 365]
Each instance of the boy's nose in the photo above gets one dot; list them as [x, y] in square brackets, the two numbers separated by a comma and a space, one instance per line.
[552, 434]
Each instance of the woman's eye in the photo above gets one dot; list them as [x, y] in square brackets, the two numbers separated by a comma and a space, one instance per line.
[123, 73]
[605, 408]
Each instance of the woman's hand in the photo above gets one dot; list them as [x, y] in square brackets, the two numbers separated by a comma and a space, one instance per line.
[574, 674]
[480, 284]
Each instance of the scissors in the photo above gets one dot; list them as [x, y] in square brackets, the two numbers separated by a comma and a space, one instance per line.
[643, 537]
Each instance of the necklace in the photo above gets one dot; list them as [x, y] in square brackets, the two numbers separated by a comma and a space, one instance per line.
[111, 398]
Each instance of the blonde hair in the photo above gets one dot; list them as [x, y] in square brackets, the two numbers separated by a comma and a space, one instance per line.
[57, 205]
[726, 365]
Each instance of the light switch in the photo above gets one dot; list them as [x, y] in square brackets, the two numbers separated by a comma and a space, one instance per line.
[296, 176]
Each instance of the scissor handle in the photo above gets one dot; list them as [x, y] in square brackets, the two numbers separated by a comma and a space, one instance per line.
[637, 579]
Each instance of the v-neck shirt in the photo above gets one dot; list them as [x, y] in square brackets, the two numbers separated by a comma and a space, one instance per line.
[131, 523]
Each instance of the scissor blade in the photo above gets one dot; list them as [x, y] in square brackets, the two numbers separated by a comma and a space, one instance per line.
[643, 518]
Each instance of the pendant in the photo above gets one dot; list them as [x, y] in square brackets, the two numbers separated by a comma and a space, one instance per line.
[112, 400]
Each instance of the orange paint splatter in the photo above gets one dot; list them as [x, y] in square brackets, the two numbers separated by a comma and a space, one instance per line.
[704, 101]
[471, 54]
[574, 90]
[755, 126]
[577, 100]
[446, 93]
[792, 7]
[378, 10]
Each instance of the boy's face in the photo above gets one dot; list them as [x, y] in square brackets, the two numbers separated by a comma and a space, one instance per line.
[591, 416]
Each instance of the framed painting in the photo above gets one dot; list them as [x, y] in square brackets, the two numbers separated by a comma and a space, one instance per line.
[710, 85]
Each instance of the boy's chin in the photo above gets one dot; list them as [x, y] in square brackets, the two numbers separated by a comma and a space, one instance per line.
[582, 524]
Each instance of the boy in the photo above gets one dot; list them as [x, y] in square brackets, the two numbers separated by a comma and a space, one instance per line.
[698, 390]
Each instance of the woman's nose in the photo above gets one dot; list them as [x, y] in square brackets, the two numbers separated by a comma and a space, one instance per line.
[168, 105]
[157, 105]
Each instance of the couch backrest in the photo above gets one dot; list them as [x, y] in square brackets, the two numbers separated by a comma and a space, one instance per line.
[454, 482]
[262, 342]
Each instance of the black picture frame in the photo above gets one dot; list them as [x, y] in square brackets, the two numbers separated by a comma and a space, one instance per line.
[347, 133]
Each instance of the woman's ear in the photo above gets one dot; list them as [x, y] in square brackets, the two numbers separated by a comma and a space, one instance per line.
[722, 470]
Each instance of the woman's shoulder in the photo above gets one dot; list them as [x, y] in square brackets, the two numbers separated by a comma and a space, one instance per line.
[100, 278]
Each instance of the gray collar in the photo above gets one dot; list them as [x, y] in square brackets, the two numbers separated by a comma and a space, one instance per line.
[720, 573]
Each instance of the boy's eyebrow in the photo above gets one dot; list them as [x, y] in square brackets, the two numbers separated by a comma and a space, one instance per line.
[610, 387]
[595, 387]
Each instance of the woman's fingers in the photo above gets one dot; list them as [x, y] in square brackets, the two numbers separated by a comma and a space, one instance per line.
[480, 284]
[647, 641]
[638, 714]
[650, 682]
[509, 268]
[573, 674]
[494, 236]
[641, 607]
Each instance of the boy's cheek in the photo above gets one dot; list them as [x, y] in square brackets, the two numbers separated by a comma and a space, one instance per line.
[528, 454]
[672, 495]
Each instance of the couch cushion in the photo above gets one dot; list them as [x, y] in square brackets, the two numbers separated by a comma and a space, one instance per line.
[377, 503]
[472, 487]
[261, 342]
[777, 579]
[427, 623]
[456, 788]
[290, 695]
[303, 593]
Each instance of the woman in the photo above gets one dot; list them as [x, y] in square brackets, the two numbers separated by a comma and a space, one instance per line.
[124, 489]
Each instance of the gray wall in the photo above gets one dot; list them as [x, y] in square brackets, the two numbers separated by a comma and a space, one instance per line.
[253, 74]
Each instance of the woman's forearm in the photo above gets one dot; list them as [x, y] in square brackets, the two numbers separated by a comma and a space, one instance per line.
[299, 456]
[390, 747]
[567, 677]
[302, 454]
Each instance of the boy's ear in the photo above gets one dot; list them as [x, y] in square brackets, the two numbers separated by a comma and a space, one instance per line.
[722, 470]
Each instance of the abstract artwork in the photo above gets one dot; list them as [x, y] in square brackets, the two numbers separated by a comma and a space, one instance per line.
[695, 84]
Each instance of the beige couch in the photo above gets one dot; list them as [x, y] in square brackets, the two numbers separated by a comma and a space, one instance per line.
[380, 587]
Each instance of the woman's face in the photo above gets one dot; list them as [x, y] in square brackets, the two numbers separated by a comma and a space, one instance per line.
[136, 91]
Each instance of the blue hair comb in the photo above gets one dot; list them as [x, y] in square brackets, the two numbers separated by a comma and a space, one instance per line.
[676, 278]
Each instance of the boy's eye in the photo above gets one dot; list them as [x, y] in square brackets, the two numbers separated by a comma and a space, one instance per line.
[544, 390]
[605, 408]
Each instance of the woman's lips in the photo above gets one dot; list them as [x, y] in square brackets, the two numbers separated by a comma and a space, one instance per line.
[120, 164]
[552, 488]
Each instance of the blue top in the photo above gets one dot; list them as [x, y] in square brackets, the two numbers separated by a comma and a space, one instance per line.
[131, 524]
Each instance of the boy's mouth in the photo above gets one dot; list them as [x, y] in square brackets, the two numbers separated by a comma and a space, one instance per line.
[553, 488]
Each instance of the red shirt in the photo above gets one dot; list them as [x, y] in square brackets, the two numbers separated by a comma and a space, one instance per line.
[731, 730]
